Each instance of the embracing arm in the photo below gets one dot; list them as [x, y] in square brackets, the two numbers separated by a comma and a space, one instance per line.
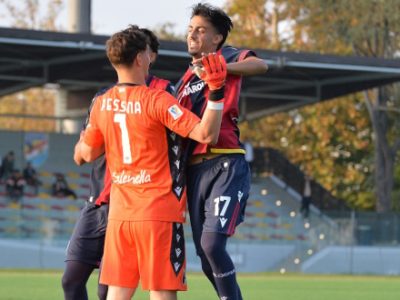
[207, 131]
[214, 75]
[251, 65]
[77, 151]
[89, 153]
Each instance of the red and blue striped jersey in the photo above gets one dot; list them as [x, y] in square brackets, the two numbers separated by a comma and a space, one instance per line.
[192, 93]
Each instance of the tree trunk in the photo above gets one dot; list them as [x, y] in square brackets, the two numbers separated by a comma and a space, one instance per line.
[384, 155]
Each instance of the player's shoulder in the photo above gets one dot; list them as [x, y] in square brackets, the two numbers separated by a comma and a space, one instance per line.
[98, 94]
[160, 83]
[232, 54]
[150, 94]
[103, 91]
[157, 80]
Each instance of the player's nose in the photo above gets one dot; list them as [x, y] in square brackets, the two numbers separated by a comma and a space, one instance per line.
[192, 35]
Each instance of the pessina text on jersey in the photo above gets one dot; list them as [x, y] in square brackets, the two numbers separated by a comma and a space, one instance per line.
[121, 106]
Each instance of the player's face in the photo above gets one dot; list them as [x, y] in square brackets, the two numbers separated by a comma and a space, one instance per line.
[202, 37]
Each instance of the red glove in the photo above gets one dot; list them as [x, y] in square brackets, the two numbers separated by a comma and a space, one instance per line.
[214, 73]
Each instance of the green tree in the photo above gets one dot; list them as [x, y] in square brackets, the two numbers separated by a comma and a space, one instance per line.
[361, 27]
[368, 28]
[35, 101]
[27, 14]
[167, 32]
[256, 23]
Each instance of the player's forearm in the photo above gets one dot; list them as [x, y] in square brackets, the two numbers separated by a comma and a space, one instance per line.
[207, 131]
[247, 67]
[77, 154]
[77, 150]
[211, 124]
[89, 153]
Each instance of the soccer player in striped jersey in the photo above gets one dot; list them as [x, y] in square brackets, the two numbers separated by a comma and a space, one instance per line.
[138, 127]
[215, 211]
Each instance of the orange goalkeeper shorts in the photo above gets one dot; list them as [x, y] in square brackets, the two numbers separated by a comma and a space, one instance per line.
[152, 252]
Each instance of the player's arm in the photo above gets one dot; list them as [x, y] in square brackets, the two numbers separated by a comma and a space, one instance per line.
[251, 65]
[214, 75]
[91, 145]
[77, 151]
[207, 131]
[90, 153]
[183, 121]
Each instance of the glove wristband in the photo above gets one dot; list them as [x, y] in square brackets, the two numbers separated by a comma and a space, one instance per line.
[216, 95]
[216, 105]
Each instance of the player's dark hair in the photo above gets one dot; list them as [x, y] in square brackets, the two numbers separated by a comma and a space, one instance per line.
[217, 17]
[123, 47]
[153, 40]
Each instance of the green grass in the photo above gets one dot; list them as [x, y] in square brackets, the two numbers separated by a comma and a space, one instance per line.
[46, 285]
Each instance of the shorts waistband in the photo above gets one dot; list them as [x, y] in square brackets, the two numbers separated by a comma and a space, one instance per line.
[200, 158]
[210, 160]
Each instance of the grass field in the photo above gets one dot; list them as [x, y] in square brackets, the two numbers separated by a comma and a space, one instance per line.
[35, 285]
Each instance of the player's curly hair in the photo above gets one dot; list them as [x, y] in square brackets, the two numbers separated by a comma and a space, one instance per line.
[122, 47]
[217, 17]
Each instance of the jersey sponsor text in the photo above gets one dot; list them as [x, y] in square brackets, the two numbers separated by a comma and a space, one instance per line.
[193, 88]
[122, 178]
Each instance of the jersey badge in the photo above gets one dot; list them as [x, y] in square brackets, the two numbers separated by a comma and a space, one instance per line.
[175, 112]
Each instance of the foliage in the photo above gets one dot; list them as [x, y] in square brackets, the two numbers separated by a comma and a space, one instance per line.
[34, 102]
[331, 141]
[365, 28]
[335, 148]
[40, 102]
[27, 14]
[166, 32]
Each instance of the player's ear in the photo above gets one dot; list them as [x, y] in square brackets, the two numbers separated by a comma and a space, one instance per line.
[217, 39]
[139, 59]
[153, 57]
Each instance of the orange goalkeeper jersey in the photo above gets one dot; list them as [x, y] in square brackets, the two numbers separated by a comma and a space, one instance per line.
[137, 126]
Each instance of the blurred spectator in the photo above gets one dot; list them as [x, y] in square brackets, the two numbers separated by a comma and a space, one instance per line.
[31, 177]
[249, 155]
[7, 165]
[15, 185]
[60, 187]
[306, 199]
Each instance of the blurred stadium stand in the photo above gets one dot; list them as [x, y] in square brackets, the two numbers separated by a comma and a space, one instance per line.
[274, 237]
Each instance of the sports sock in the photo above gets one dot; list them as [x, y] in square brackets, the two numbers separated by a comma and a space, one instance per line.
[207, 270]
[214, 246]
[74, 280]
[102, 289]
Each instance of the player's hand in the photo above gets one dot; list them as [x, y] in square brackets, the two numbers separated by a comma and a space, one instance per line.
[82, 134]
[214, 73]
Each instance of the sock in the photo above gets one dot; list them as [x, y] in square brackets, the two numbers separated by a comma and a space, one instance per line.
[74, 280]
[214, 247]
[102, 289]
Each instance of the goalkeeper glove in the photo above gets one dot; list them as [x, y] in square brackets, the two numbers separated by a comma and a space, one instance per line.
[214, 73]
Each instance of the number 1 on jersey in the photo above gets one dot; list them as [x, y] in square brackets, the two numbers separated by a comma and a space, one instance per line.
[126, 146]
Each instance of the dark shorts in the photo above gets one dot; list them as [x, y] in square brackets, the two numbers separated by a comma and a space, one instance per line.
[217, 192]
[87, 240]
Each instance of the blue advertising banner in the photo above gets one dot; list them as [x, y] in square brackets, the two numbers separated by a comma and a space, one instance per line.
[36, 148]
